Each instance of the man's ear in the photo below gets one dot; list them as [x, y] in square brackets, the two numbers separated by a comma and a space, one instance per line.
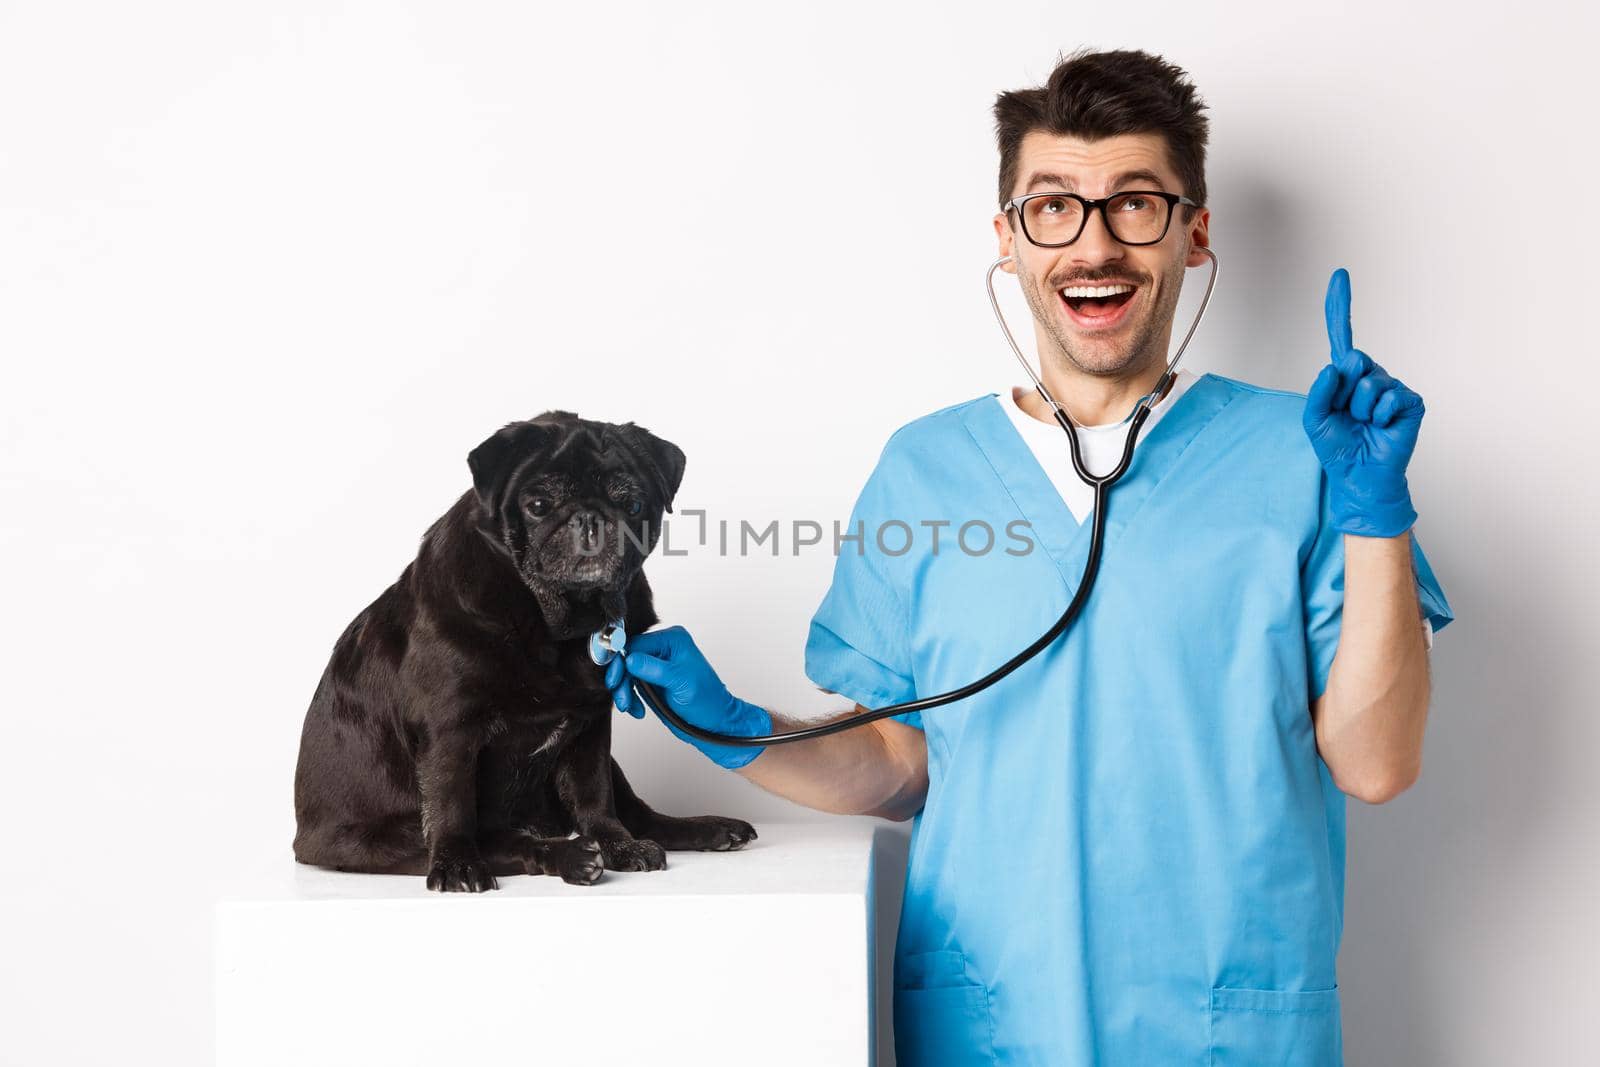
[661, 459]
[1199, 234]
[1008, 241]
[491, 461]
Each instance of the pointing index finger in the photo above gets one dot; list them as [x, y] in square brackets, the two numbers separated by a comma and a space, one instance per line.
[1337, 309]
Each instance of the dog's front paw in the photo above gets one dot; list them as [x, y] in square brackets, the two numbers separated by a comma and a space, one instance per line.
[726, 835]
[456, 872]
[703, 833]
[578, 861]
[632, 854]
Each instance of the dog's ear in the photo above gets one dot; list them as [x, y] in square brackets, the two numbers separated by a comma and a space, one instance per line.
[492, 461]
[662, 460]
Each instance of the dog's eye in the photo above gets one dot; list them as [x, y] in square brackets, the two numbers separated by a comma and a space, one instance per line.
[635, 505]
[539, 505]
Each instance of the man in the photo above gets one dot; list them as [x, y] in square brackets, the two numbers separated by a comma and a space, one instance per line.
[1131, 850]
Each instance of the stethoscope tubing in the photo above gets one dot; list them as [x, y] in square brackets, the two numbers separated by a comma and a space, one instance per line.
[651, 696]
[1102, 484]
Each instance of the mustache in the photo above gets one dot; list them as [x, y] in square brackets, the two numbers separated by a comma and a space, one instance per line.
[1100, 278]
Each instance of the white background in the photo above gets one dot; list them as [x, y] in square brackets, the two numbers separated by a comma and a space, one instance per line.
[269, 271]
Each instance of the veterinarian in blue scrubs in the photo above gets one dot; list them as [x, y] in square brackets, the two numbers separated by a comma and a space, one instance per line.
[1130, 851]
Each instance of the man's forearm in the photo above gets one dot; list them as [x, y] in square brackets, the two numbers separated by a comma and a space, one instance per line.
[1369, 721]
[862, 771]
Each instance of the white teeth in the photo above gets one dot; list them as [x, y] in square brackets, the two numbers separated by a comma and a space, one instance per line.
[1095, 290]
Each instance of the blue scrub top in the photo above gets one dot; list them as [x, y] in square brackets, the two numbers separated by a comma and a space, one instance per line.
[1131, 852]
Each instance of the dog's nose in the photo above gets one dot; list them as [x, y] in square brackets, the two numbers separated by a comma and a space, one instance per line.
[585, 527]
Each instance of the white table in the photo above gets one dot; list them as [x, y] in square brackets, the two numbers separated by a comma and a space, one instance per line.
[765, 955]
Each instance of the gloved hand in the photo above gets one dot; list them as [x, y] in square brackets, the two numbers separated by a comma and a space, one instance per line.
[669, 660]
[1363, 427]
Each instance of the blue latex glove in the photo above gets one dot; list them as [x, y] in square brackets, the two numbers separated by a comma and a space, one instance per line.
[669, 660]
[1363, 426]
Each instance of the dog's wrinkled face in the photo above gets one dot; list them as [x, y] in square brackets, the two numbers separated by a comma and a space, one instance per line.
[576, 504]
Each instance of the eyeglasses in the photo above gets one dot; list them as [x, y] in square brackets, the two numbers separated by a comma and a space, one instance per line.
[1133, 217]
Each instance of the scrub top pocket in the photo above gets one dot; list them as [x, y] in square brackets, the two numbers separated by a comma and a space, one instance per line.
[1275, 1028]
[941, 1015]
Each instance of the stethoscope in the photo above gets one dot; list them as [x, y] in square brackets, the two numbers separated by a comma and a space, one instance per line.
[611, 640]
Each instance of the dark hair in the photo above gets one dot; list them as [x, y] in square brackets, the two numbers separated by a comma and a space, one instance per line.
[1101, 94]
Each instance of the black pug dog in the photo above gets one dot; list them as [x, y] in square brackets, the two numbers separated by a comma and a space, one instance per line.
[460, 729]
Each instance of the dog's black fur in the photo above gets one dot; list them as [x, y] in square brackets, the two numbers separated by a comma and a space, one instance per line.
[460, 729]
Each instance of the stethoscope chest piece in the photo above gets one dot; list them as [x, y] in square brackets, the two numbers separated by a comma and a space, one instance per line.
[608, 642]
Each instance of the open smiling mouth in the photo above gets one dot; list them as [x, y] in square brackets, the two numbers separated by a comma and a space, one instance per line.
[1098, 307]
